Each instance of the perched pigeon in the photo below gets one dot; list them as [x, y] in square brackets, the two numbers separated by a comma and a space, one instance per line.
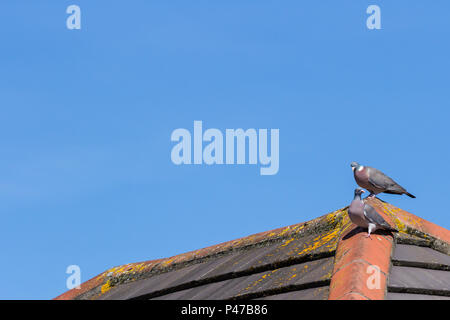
[376, 181]
[365, 216]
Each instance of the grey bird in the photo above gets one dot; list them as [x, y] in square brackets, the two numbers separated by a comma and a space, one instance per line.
[365, 216]
[376, 181]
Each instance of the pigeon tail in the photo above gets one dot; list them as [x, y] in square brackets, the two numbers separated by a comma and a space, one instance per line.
[410, 195]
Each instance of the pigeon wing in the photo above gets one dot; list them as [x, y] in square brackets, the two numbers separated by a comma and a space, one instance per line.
[374, 217]
[381, 181]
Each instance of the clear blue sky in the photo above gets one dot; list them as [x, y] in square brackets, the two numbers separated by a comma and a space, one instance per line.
[86, 117]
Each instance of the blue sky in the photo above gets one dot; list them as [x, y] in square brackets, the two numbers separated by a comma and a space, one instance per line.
[86, 117]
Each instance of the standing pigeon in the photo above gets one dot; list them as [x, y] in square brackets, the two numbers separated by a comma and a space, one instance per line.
[376, 181]
[365, 216]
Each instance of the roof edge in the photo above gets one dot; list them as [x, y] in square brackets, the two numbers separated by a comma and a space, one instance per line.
[351, 260]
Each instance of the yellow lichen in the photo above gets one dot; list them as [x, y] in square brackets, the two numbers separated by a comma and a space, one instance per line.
[320, 241]
[287, 242]
[105, 287]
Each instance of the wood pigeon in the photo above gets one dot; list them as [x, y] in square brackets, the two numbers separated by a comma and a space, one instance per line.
[376, 181]
[365, 216]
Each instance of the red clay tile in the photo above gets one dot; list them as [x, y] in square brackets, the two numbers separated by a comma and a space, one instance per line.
[353, 296]
[355, 257]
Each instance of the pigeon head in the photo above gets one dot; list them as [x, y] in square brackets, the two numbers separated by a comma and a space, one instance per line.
[358, 193]
[355, 165]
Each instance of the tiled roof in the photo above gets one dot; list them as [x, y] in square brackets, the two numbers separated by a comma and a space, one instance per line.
[326, 258]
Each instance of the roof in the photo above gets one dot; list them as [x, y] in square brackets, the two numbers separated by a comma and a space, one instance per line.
[325, 258]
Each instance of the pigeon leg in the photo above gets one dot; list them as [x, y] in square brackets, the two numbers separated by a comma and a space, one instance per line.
[370, 229]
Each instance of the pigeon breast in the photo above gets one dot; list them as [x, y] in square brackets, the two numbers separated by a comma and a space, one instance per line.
[356, 213]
